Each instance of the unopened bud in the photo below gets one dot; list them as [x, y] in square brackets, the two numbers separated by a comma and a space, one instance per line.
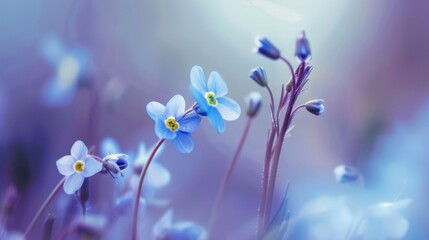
[302, 49]
[259, 76]
[254, 103]
[316, 107]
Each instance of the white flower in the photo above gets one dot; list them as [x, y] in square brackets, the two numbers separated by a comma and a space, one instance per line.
[77, 166]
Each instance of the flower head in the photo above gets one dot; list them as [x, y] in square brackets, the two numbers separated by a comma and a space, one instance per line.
[267, 49]
[346, 174]
[77, 166]
[70, 64]
[254, 103]
[259, 76]
[316, 107]
[303, 51]
[173, 124]
[165, 229]
[211, 98]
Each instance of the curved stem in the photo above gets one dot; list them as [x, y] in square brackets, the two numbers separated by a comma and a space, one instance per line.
[139, 189]
[291, 71]
[44, 206]
[229, 173]
[265, 173]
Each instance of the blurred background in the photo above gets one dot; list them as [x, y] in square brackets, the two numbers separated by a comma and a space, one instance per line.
[85, 70]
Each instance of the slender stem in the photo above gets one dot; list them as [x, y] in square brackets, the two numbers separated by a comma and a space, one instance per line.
[291, 71]
[277, 152]
[44, 206]
[139, 189]
[229, 173]
[265, 170]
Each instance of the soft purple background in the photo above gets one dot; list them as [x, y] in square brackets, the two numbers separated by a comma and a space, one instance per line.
[371, 67]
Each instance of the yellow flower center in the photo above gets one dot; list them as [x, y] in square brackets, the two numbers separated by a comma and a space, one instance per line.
[79, 166]
[211, 98]
[172, 124]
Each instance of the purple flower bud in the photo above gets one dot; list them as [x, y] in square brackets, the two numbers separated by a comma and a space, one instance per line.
[316, 107]
[259, 76]
[254, 103]
[303, 51]
[267, 49]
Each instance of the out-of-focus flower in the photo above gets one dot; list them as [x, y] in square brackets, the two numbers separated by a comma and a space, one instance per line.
[77, 166]
[346, 174]
[165, 229]
[302, 50]
[323, 218]
[316, 107]
[385, 221]
[69, 63]
[173, 124]
[267, 49]
[254, 103]
[211, 98]
[259, 76]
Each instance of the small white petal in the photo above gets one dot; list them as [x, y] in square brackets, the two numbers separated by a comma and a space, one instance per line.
[65, 165]
[73, 183]
[79, 150]
[92, 167]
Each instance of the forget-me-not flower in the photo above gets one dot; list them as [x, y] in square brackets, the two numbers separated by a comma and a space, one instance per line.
[211, 98]
[173, 124]
[69, 64]
[77, 166]
[165, 229]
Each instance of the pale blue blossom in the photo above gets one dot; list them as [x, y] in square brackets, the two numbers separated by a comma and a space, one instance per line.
[69, 63]
[211, 98]
[77, 166]
[165, 229]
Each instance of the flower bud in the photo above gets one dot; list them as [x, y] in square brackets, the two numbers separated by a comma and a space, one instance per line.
[267, 49]
[346, 174]
[302, 49]
[254, 103]
[119, 159]
[259, 76]
[316, 107]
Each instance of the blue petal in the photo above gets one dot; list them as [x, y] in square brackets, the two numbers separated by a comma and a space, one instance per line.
[198, 80]
[189, 123]
[183, 142]
[199, 98]
[156, 111]
[162, 131]
[79, 150]
[228, 108]
[73, 183]
[92, 167]
[217, 85]
[216, 120]
[65, 165]
[175, 107]
[54, 94]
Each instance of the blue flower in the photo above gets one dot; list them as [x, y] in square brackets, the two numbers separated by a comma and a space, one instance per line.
[267, 49]
[173, 124]
[211, 98]
[346, 174]
[77, 166]
[164, 229]
[69, 64]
